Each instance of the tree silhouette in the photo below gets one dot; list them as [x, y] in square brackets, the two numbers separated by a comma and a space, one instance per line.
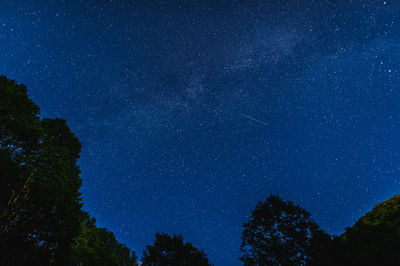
[98, 246]
[375, 238]
[171, 250]
[280, 233]
[40, 205]
[41, 221]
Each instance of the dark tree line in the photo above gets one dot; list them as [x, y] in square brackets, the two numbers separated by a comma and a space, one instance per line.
[42, 221]
[171, 250]
[281, 233]
[41, 217]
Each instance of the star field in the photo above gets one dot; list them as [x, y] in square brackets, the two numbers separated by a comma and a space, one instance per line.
[190, 112]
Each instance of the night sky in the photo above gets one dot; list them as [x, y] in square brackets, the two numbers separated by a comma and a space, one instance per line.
[189, 112]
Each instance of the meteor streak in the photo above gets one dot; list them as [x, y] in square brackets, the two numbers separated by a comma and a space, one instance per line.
[252, 118]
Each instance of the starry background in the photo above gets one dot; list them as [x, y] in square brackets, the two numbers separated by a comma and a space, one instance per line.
[190, 112]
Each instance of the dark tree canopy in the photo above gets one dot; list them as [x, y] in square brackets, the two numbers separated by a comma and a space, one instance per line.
[280, 233]
[98, 246]
[40, 200]
[375, 238]
[171, 250]
[41, 221]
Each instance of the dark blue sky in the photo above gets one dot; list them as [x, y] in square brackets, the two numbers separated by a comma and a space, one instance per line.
[190, 112]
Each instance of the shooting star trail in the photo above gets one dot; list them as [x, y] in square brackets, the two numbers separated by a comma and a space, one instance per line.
[252, 118]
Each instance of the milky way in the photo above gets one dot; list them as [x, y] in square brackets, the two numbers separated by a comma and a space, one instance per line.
[190, 112]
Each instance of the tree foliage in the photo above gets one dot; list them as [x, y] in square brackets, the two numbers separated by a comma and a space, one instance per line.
[375, 238]
[171, 250]
[98, 246]
[280, 233]
[40, 205]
